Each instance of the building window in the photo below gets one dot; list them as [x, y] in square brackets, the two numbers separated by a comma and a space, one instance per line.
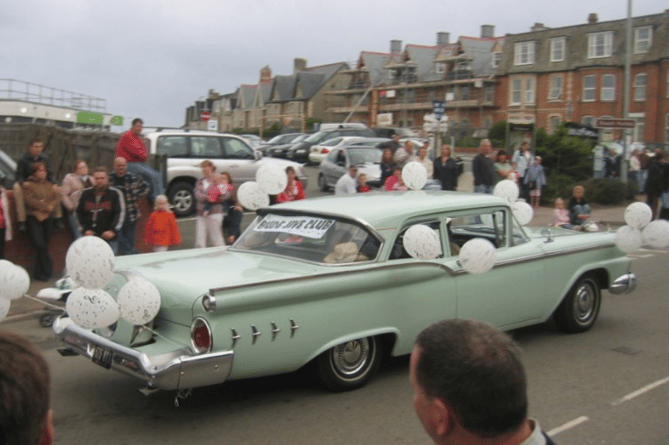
[524, 53]
[515, 91]
[640, 87]
[587, 120]
[529, 90]
[553, 124]
[608, 91]
[489, 93]
[600, 44]
[589, 88]
[440, 68]
[496, 57]
[555, 91]
[642, 39]
[465, 92]
[557, 49]
[640, 127]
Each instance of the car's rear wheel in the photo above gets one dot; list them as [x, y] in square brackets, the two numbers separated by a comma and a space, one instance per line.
[182, 198]
[350, 365]
[322, 184]
[580, 308]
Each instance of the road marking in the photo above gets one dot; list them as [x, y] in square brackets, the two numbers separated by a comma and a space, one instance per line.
[641, 391]
[568, 425]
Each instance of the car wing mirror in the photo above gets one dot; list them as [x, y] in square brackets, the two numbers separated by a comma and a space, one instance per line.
[548, 235]
[257, 154]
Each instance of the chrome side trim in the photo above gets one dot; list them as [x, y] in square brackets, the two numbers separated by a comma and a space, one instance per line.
[624, 284]
[178, 369]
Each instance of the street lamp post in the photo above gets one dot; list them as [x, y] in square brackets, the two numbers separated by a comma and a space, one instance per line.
[626, 93]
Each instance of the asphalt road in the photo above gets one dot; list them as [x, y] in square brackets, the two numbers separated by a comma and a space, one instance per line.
[576, 382]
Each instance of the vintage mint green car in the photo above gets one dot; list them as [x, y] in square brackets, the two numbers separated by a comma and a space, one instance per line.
[328, 282]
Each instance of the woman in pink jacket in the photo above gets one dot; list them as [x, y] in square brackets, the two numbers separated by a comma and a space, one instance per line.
[73, 184]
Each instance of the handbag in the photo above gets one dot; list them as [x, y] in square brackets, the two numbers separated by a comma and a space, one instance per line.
[532, 185]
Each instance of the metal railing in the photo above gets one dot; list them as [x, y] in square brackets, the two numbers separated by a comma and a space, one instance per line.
[12, 89]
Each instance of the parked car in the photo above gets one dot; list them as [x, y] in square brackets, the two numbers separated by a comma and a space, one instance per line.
[279, 151]
[300, 152]
[337, 162]
[253, 140]
[280, 139]
[185, 150]
[327, 282]
[7, 170]
[320, 151]
[389, 132]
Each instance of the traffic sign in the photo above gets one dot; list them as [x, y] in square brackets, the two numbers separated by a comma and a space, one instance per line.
[205, 116]
[438, 108]
[614, 123]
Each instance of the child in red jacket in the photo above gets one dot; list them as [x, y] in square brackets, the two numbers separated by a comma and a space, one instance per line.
[162, 230]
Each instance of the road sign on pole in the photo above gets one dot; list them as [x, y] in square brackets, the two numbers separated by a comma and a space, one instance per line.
[614, 123]
[205, 116]
[438, 108]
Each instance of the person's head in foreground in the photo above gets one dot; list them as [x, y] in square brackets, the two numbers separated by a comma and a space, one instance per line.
[469, 384]
[25, 417]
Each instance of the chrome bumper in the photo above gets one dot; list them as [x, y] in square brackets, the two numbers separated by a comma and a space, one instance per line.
[179, 369]
[624, 284]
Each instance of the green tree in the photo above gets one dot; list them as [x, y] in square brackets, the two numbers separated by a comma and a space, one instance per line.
[497, 134]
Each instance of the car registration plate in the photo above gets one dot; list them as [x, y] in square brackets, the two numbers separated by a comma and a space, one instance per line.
[102, 356]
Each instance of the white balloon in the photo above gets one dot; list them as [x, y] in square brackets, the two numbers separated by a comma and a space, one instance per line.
[138, 301]
[523, 212]
[421, 242]
[506, 189]
[656, 234]
[271, 178]
[638, 215]
[91, 308]
[4, 307]
[90, 262]
[414, 175]
[628, 239]
[478, 255]
[251, 196]
[14, 281]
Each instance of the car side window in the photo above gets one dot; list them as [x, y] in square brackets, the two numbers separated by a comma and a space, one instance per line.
[399, 252]
[236, 149]
[489, 225]
[172, 146]
[206, 147]
[332, 157]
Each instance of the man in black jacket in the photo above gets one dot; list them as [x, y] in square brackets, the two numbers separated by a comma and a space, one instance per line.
[483, 169]
[101, 209]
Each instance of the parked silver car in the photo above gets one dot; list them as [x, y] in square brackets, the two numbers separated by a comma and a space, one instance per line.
[185, 150]
[337, 162]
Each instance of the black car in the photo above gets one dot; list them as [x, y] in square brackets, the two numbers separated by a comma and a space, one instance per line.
[279, 151]
[281, 139]
[300, 152]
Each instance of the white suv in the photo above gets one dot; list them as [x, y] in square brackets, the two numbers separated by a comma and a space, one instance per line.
[185, 150]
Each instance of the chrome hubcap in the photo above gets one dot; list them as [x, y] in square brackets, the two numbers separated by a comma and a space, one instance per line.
[349, 358]
[182, 200]
[584, 302]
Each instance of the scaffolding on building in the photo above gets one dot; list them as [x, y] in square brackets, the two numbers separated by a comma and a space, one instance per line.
[12, 89]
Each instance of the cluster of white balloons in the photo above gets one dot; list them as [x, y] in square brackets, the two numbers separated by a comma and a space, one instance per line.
[14, 283]
[90, 263]
[640, 230]
[508, 190]
[477, 255]
[271, 179]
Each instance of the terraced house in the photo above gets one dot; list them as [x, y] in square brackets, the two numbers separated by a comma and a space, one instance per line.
[552, 75]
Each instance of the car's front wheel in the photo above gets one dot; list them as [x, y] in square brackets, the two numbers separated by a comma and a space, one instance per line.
[580, 308]
[350, 365]
[322, 184]
[182, 198]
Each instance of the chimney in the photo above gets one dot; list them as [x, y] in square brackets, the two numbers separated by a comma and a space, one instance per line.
[299, 64]
[592, 17]
[266, 74]
[487, 31]
[538, 27]
[443, 38]
[395, 46]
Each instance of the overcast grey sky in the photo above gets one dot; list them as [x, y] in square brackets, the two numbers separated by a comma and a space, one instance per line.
[153, 58]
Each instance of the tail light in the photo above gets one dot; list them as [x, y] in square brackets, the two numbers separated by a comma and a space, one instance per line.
[200, 336]
[325, 151]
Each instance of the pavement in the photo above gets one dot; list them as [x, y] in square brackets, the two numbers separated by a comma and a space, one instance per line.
[609, 217]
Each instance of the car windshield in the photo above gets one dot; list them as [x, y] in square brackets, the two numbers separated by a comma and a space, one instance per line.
[360, 156]
[313, 238]
[318, 137]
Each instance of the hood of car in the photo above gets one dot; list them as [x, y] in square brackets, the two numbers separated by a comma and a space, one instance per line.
[183, 277]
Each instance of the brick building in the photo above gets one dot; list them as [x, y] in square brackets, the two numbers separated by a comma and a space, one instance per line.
[552, 75]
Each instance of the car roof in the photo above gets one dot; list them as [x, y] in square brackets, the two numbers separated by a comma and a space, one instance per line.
[189, 132]
[387, 209]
